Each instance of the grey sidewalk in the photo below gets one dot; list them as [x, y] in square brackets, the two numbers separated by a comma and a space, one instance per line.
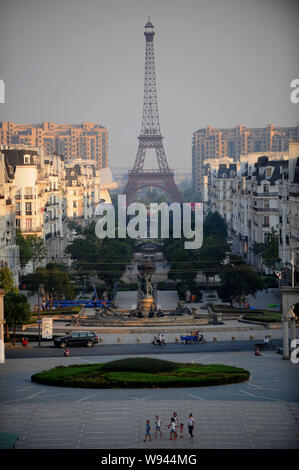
[260, 413]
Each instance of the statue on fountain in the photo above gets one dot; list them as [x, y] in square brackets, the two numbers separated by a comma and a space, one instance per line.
[146, 296]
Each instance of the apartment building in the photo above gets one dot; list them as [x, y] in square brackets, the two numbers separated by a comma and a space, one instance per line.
[87, 140]
[211, 143]
[9, 251]
[256, 195]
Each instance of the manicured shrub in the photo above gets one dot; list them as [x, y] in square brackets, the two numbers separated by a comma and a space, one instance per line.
[140, 364]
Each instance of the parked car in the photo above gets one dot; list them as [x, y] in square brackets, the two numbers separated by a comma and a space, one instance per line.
[80, 338]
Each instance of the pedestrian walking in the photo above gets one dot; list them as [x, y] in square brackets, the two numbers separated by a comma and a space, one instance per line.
[181, 430]
[176, 422]
[158, 423]
[171, 428]
[147, 431]
[191, 424]
[266, 342]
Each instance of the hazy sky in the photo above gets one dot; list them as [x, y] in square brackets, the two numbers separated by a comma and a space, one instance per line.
[218, 62]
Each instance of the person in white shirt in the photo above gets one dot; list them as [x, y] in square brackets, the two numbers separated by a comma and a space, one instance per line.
[171, 427]
[266, 341]
[158, 426]
[191, 424]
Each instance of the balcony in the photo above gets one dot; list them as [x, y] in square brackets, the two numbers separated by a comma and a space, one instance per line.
[263, 209]
[28, 196]
[264, 194]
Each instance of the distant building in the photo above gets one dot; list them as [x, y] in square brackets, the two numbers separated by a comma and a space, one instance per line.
[40, 194]
[87, 140]
[256, 195]
[210, 143]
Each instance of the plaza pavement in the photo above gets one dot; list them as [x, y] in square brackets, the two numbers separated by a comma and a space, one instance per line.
[260, 413]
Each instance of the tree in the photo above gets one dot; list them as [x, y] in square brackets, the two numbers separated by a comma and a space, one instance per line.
[31, 248]
[72, 225]
[271, 253]
[7, 283]
[107, 259]
[38, 249]
[214, 224]
[16, 310]
[239, 280]
[25, 249]
[267, 253]
[258, 251]
[6, 280]
[211, 255]
[55, 281]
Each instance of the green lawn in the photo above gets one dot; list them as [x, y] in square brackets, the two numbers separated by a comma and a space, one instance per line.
[156, 373]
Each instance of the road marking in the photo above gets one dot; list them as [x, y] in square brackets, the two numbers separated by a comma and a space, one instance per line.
[85, 398]
[260, 396]
[198, 398]
[35, 395]
[22, 389]
[253, 385]
[139, 398]
[200, 359]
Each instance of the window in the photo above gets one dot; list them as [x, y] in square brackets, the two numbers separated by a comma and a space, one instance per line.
[28, 208]
[28, 225]
[266, 221]
[28, 193]
[266, 205]
[266, 189]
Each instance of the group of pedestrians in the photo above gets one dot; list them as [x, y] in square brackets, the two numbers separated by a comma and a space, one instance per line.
[174, 427]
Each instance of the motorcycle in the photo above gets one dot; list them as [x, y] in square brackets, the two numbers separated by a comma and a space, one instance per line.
[158, 341]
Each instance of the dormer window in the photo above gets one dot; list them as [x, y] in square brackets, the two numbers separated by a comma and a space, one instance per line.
[269, 172]
[266, 189]
[27, 159]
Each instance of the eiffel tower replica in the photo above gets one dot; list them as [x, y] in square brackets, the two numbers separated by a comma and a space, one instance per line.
[150, 137]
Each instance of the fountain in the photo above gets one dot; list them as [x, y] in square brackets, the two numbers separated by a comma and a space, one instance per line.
[147, 294]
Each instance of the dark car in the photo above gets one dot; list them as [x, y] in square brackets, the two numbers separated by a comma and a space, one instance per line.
[80, 338]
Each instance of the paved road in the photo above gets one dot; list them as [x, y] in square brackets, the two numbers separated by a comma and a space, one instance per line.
[133, 349]
[261, 413]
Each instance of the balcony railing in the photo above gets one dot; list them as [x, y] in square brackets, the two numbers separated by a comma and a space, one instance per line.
[264, 209]
[28, 196]
[264, 194]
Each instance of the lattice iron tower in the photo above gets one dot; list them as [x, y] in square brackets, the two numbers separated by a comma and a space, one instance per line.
[150, 137]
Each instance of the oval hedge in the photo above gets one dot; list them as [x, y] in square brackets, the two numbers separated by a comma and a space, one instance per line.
[140, 364]
[119, 374]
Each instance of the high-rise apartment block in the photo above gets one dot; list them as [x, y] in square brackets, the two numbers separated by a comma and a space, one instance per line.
[210, 143]
[87, 140]
[255, 196]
